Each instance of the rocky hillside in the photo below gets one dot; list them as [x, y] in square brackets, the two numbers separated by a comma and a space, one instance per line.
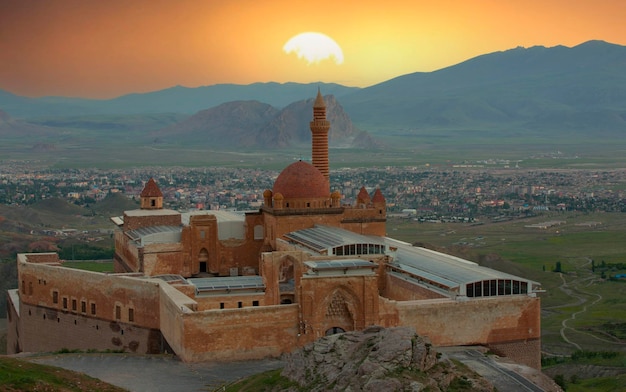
[11, 128]
[377, 359]
[254, 124]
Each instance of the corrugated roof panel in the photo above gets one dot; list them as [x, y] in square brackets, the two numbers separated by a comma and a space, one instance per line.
[448, 270]
[227, 283]
[340, 264]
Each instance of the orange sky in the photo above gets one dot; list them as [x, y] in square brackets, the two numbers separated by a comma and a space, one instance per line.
[103, 49]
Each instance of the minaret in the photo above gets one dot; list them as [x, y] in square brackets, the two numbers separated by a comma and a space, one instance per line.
[319, 135]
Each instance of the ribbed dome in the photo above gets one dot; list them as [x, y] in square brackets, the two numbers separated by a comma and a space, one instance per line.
[301, 180]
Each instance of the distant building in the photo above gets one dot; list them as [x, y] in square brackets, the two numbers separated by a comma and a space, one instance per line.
[216, 285]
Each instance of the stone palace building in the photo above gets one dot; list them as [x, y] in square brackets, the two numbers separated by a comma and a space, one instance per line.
[217, 285]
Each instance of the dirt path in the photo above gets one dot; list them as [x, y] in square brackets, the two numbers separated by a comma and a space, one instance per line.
[574, 290]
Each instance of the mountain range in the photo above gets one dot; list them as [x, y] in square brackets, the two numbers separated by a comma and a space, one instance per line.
[553, 92]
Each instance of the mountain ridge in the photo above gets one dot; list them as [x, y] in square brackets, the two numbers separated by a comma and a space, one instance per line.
[545, 92]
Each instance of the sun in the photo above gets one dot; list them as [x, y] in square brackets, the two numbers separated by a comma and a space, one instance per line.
[314, 47]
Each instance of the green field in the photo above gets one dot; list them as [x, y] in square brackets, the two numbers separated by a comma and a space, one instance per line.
[581, 311]
[96, 266]
[115, 149]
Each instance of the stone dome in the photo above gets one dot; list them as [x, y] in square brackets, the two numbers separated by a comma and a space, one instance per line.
[301, 180]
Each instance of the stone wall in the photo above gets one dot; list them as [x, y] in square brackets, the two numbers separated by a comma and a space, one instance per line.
[497, 322]
[126, 254]
[44, 330]
[13, 323]
[346, 302]
[90, 294]
[147, 220]
[238, 334]
[161, 259]
[401, 290]
[367, 221]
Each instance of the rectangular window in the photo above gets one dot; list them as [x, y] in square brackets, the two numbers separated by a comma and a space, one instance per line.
[255, 303]
[74, 305]
[118, 312]
[93, 308]
[55, 297]
[202, 234]
[64, 302]
[239, 304]
[83, 306]
[221, 305]
[131, 315]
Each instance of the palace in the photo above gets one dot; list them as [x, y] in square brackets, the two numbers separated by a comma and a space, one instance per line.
[217, 285]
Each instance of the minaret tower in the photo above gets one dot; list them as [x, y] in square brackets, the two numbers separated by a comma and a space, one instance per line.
[319, 134]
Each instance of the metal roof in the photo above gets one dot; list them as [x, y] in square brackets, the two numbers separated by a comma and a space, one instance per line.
[171, 278]
[323, 238]
[228, 283]
[141, 233]
[340, 264]
[441, 269]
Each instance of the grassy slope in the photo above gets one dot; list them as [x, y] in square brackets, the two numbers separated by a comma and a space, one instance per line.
[17, 375]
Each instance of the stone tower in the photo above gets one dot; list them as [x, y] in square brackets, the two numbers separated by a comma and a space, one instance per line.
[319, 135]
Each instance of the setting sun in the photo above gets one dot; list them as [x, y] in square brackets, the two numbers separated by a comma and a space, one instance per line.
[314, 47]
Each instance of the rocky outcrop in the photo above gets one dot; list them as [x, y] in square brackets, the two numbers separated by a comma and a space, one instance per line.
[252, 124]
[377, 359]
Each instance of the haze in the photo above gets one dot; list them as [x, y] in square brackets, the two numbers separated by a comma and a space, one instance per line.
[101, 49]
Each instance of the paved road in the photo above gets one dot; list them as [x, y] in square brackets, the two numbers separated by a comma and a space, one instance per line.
[501, 378]
[167, 374]
[157, 373]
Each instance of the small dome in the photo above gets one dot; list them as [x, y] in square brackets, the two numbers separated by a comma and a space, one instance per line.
[278, 196]
[301, 180]
[335, 195]
[267, 194]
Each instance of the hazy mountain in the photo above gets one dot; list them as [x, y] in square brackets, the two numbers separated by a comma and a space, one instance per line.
[15, 129]
[543, 89]
[231, 124]
[255, 124]
[551, 92]
[172, 100]
[291, 125]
